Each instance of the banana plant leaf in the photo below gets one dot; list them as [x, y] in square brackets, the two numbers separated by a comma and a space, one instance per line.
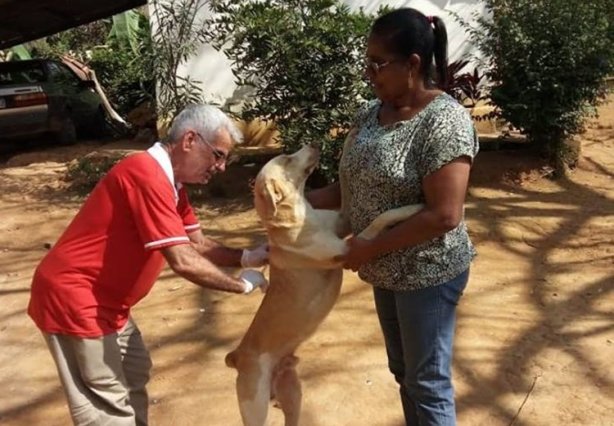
[20, 52]
[125, 29]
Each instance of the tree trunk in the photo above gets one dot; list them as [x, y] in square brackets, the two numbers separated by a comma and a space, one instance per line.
[562, 152]
[566, 156]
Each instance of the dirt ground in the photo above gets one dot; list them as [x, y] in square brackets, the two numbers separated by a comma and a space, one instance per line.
[535, 340]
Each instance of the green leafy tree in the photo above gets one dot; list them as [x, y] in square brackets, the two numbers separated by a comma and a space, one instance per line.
[303, 60]
[546, 60]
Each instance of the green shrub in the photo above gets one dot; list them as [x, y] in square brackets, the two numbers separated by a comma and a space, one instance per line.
[303, 60]
[546, 61]
[84, 173]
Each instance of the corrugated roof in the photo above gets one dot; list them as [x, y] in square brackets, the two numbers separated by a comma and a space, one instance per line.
[26, 20]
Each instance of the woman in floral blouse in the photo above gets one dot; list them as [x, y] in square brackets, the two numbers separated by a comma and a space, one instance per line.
[413, 144]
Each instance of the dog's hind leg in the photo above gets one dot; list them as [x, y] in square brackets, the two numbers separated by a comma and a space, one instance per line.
[254, 388]
[287, 389]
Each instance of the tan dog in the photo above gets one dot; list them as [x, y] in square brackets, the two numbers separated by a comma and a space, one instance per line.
[305, 279]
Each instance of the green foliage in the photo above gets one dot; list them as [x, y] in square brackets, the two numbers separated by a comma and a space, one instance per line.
[16, 53]
[20, 52]
[123, 65]
[546, 60]
[127, 30]
[85, 172]
[76, 42]
[464, 86]
[118, 49]
[130, 61]
[303, 59]
[177, 35]
[125, 77]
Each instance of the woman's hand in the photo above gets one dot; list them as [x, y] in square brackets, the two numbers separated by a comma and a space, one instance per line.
[359, 252]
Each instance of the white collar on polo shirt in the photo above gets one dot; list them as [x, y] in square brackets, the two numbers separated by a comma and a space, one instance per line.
[160, 154]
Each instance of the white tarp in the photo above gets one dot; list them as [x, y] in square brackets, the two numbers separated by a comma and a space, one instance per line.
[212, 68]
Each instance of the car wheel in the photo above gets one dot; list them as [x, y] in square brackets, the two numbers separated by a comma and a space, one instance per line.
[68, 133]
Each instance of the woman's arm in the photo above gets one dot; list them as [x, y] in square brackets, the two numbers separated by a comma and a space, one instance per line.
[444, 192]
[326, 198]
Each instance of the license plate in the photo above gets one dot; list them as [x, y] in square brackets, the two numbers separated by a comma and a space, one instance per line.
[2, 103]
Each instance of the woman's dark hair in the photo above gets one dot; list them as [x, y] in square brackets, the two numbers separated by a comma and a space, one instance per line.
[408, 31]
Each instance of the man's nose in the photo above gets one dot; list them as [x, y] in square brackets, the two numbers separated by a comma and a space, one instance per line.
[221, 166]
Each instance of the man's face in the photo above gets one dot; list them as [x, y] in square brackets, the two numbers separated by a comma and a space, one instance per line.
[202, 158]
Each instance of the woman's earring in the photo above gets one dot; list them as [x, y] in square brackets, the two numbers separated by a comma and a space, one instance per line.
[410, 81]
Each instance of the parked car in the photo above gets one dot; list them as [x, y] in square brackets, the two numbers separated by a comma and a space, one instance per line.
[45, 96]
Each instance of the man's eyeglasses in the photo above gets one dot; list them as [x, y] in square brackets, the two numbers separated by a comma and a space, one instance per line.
[219, 156]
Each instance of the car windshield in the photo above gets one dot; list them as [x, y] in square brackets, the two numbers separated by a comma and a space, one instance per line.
[25, 73]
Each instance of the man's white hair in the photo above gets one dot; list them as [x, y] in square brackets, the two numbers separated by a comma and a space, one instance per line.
[207, 120]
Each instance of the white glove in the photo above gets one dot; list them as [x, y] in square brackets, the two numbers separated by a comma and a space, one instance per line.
[256, 257]
[253, 279]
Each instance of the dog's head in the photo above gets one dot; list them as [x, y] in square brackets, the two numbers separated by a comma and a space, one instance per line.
[280, 185]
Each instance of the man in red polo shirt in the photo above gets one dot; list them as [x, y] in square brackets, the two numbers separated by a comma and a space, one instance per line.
[112, 253]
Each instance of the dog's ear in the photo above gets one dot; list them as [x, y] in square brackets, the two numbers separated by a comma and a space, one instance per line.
[273, 193]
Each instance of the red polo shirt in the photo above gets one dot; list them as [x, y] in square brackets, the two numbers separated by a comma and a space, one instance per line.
[108, 258]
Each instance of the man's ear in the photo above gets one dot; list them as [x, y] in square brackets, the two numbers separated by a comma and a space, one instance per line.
[188, 140]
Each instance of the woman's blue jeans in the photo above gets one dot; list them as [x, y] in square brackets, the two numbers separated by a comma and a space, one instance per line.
[418, 328]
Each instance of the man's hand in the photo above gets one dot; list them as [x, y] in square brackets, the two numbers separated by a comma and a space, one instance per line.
[256, 257]
[253, 279]
[359, 252]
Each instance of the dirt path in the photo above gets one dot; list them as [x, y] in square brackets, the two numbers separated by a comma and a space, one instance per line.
[535, 333]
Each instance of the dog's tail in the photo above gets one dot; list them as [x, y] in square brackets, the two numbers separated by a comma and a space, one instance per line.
[231, 359]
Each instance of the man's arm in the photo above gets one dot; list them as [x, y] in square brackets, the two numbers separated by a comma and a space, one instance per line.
[215, 252]
[221, 255]
[191, 265]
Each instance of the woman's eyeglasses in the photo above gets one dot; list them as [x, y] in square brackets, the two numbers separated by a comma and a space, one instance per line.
[376, 67]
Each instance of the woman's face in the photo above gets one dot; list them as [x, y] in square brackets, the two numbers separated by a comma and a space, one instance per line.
[388, 73]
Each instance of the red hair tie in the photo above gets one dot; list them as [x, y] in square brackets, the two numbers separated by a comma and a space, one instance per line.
[431, 19]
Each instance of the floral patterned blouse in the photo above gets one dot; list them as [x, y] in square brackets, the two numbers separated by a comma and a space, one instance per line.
[384, 169]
